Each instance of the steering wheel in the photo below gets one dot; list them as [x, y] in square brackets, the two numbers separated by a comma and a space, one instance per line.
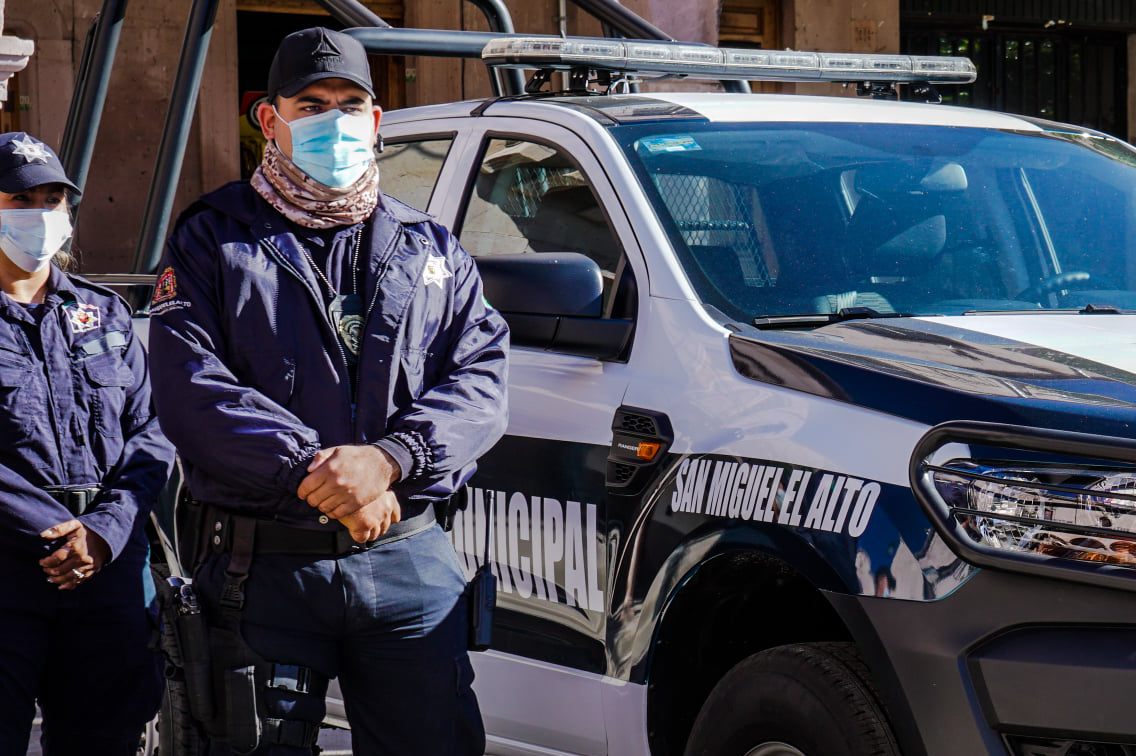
[1070, 279]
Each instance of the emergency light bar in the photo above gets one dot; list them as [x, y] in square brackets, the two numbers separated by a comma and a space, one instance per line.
[659, 59]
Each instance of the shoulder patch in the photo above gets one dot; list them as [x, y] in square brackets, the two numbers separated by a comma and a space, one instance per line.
[166, 287]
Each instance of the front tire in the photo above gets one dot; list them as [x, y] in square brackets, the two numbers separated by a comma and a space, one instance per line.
[811, 699]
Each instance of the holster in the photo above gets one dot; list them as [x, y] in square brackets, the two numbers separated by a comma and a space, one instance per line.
[445, 510]
[222, 673]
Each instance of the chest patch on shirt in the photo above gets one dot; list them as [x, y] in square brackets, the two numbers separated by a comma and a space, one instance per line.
[436, 271]
[166, 288]
[83, 317]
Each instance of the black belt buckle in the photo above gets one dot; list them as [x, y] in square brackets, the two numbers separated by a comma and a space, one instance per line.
[76, 500]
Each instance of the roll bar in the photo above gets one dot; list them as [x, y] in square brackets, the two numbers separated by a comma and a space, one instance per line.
[89, 99]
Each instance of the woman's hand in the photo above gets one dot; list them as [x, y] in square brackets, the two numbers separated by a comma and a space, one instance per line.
[82, 554]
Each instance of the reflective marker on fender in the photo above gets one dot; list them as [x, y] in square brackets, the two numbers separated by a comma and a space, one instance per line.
[647, 450]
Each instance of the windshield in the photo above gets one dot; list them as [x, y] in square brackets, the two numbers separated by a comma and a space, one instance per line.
[786, 219]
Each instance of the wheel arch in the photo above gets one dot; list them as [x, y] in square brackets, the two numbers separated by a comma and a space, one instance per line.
[740, 597]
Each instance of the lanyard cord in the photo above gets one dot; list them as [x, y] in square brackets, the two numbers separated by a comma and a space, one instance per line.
[332, 292]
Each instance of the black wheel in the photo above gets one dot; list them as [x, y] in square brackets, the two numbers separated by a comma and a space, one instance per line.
[813, 699]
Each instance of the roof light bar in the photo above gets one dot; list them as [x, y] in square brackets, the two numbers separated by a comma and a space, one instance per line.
[706, 62]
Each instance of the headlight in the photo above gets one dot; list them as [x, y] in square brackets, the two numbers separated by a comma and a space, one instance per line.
[1086, 515]
[1045, 502]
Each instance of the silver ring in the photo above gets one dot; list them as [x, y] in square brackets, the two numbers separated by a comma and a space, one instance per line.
[78, 575]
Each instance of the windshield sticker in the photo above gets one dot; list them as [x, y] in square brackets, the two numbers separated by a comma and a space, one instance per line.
[801, 498]
[670, 143]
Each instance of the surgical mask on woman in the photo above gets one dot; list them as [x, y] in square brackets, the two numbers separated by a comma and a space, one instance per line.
[334, 147]
[30, 238]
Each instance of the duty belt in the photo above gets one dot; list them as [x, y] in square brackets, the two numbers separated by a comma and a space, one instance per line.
[76, 499]
[274, 537]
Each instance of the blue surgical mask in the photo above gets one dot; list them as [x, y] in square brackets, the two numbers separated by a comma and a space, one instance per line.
[30, 238]
[334, 148]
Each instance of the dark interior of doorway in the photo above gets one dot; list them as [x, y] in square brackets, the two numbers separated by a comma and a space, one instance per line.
[1077, 77]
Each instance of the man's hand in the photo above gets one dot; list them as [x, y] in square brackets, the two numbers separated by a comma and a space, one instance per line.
[82, 554]
[372, 520]
[343, 479]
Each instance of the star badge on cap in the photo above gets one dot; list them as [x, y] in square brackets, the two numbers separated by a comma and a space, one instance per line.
[30, 150]
[436, 271]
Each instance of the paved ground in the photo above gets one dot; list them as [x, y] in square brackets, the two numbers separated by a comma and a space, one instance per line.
[333, 742]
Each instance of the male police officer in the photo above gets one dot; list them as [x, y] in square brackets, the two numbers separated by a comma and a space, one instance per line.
[325, 363]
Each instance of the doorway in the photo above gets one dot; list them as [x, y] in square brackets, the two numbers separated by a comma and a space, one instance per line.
[1075, 77]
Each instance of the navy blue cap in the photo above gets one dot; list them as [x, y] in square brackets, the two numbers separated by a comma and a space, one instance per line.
[312, 54]
[26, 162]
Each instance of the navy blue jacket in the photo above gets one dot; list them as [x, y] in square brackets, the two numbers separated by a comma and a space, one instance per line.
[250, 379]
[75, 410]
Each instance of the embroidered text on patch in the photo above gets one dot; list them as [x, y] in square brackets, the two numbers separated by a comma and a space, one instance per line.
[166, 288]
[436, 271]
[84, 317]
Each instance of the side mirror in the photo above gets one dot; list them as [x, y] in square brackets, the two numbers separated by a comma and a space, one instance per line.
[554, 301]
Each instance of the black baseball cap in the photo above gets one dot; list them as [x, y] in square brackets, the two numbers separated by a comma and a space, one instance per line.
[26, 162]
[317, 53]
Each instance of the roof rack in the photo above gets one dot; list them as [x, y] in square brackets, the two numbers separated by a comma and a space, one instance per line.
[658, 59]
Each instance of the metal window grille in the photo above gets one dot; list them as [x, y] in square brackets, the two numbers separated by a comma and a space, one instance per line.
[710, 212]
[531, 183]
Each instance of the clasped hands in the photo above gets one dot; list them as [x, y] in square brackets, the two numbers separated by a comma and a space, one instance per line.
[351, 484]
[80, 553]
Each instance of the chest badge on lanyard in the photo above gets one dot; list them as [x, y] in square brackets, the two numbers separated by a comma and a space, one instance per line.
[436, 271]
[346, 311]
[83, 317]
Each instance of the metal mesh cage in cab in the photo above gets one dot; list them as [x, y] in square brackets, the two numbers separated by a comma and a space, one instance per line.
[715, 220]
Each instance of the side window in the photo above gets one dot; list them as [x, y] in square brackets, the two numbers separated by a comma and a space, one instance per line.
[408, 171]
[530, 197]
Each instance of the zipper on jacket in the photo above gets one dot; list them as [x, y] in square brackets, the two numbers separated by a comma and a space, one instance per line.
[330, 327]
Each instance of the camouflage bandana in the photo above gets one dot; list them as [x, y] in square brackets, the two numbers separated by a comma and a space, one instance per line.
[303, 200]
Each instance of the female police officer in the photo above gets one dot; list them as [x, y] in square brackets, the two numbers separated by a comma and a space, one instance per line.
[81, 460]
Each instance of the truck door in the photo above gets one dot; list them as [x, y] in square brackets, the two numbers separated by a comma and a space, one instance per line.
[537, 191]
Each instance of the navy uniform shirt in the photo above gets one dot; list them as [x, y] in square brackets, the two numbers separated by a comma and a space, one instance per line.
[75, 410]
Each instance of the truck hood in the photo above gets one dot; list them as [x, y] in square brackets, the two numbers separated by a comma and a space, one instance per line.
[1070, 371]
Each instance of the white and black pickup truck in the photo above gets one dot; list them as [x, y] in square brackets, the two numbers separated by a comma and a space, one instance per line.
[822, 430]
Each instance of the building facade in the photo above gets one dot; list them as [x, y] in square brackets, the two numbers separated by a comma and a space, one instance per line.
[1031, 61]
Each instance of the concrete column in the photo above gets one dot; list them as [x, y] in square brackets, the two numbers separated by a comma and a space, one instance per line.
[14, 54]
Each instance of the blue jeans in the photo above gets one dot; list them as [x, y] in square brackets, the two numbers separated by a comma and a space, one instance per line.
[390, 623]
